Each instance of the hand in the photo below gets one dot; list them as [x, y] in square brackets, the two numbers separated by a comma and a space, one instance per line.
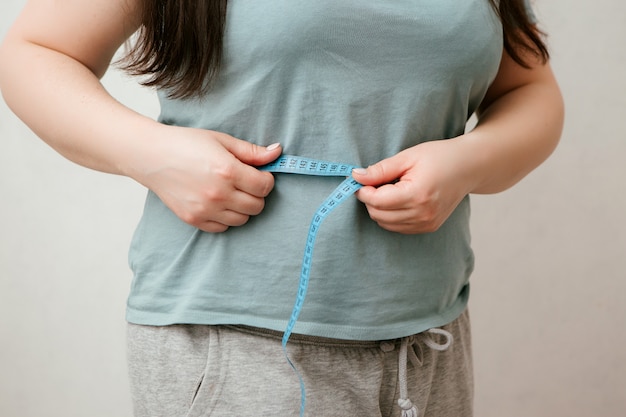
[416, 190]
[207, 178]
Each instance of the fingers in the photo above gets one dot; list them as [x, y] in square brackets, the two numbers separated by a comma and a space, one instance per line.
[407, 220]
[408, 192]
[251, 181]
[226, 220]
[218, 210]
[245, 177]
[246, 198]
[249, 153]
[212, 227]
[207, 179]
[245, 187]
[391, 207]
[385, 197]
[383, 172]
[242, 203]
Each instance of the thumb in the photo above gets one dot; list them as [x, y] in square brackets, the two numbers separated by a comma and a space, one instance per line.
[252, 154]
[383, 172]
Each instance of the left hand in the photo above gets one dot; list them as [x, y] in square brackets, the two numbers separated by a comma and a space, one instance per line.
[431, 179]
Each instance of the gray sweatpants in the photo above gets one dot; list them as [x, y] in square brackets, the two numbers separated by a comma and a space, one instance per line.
[223, 371]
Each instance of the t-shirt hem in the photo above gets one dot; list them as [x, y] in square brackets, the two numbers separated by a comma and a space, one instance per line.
[328, 330]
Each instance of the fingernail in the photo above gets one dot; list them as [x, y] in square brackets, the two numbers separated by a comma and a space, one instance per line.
[360, 171]
[272, 147]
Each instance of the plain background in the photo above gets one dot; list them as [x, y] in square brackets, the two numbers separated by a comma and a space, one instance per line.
[548, 297]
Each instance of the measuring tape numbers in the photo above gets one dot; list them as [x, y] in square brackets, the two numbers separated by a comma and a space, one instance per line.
[306, 166]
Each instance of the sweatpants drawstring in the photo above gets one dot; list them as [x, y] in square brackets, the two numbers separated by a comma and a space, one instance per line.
[408, 408]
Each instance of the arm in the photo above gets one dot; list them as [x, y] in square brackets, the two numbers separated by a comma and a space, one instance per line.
[519, 125]
[52, 59]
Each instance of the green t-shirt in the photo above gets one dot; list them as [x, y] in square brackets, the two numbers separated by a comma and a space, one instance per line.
[347, 81]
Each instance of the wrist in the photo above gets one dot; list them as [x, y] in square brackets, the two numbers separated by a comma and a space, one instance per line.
[143, 150]
[472, 161]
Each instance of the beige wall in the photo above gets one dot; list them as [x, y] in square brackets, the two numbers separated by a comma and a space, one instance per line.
[549, 294]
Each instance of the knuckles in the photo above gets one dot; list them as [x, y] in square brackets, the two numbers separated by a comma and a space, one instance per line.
[225, 172]
[267, 185]
[192, 218]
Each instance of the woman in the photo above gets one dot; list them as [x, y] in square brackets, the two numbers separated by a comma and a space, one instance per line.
[388, 86]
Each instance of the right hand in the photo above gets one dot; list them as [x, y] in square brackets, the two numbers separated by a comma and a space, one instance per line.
[208, 178]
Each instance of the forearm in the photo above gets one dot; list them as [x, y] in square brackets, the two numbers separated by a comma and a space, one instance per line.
[514, 135]
[63, 102]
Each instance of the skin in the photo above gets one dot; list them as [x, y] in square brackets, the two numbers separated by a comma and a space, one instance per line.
[57, 50]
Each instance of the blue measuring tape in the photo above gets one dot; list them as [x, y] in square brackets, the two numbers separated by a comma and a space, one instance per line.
[307, 166]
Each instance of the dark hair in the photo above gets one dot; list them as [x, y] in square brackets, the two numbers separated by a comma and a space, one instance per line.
[522, 38]
[179, 44]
